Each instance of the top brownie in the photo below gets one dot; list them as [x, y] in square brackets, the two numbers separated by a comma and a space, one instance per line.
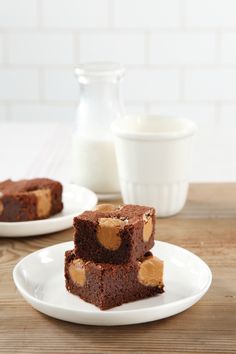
[114, 234]
[31, 199]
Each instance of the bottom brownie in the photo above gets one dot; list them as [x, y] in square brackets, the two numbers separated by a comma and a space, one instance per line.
[108, 285]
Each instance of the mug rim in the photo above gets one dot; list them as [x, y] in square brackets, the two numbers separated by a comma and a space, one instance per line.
[118, 128]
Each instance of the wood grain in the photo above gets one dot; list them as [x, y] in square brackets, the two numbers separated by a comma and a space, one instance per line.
[206, 226]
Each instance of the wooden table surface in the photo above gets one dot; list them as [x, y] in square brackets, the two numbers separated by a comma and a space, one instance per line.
[206, 226]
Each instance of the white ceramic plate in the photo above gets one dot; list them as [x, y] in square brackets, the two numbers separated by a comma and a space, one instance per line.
[76, 199]
[39, 278]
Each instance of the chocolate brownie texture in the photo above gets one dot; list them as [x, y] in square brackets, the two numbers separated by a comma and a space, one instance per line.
[27, 200]
[114, 235]
[110, 285]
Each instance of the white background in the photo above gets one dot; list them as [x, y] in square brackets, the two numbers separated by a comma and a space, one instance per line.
[180, 57]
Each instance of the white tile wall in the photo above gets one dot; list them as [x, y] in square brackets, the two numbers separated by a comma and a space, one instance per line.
[202, 114]
[136, 108]
[3, 113]
[152, 84]
[147, 14]
[210, 84]
[41, 48]
[21, 13]
[180, 57]
[181, 48]
[127, 48]
[1, 49]
[228, 113]
[210, 13]
[75, 14]
[60, 85]
[19, 84]
[41, 112]
[228, 47]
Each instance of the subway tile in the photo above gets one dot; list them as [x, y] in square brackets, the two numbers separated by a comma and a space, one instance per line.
[210, 13]
[146, 13]
[182, 48]
[151, 85]
[75, 13]
[42, 112]
[201, 114]
[126, 48]
[3, 113]
[210, 84]
[15, 13]
[135, 108]
[41, 48]
[223, 156]
[19, 84]
[228, 48]
[228, 116]
[60, 85]
[1, 49]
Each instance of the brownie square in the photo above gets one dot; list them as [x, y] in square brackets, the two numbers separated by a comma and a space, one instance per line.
[110, 285]
[27, 200]
[114, 234]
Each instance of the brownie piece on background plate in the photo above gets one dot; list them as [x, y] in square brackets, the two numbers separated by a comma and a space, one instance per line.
[114, 234]
[109, 285]
[27, 200]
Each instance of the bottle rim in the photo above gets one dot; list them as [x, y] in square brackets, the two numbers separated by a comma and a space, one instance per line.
[98, 70]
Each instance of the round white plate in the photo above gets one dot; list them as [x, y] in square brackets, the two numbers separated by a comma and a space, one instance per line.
[39, 278]
[76, 199]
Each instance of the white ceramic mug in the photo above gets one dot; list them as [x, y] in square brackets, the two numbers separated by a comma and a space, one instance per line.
[153, 155]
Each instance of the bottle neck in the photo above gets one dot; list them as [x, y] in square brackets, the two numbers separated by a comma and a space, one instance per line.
[100, 92]
[100, 102]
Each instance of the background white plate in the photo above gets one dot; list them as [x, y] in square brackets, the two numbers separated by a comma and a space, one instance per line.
[76, 199]
[40, 279]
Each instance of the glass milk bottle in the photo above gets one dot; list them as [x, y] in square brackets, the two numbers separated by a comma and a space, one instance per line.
[93, 153]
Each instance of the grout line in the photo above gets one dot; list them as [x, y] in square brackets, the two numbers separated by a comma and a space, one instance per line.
[73, 103]
[147, 107]
[147, 48]
[8, 110]
[76, 49]
[166, 102]
[182, 75]
[110, 7]
[203, 67]
[218, 49]
[182, 6]
[6, 53]
[36, 66]
[174, 29]
[217, 112]
[39, 15]
[41, 84]
[49, 103]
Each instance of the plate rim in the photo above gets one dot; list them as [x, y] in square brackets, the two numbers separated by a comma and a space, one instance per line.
[108, 313]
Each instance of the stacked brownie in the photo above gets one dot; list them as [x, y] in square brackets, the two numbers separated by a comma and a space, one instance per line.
[111, 262]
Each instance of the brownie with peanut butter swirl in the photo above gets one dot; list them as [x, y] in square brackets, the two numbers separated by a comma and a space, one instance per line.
[27, 200]
[108, 285]
[114, 234]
